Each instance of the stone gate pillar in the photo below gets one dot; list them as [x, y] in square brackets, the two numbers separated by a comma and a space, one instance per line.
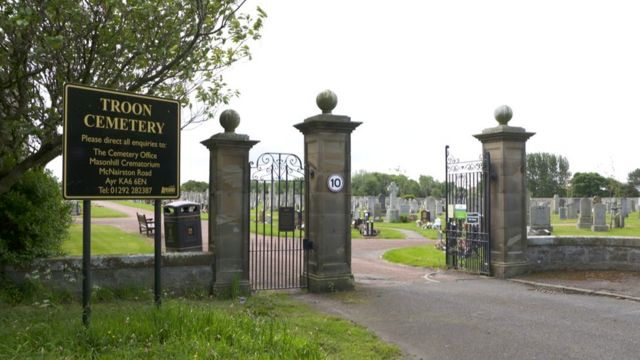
[229, 205]
[506, 146]
[327, 153]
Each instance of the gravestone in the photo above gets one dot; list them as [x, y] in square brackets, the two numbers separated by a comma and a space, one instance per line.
[599, 218]
[383, 206]
[563, 212]
[425, 216]
[393, 214]
[540, 220]
[556, 204]
[431, 207]
[624, 206]
[585, 220]
[572, 212]
[371, 205]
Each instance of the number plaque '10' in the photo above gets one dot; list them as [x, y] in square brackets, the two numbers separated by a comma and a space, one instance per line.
[335, 183]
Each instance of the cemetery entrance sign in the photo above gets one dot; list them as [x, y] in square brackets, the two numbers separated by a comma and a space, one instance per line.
[120, 145]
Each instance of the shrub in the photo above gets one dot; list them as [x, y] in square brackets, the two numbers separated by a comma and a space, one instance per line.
[34, 219]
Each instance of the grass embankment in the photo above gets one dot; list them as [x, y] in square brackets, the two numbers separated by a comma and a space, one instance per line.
[267, 326]
[106, 239]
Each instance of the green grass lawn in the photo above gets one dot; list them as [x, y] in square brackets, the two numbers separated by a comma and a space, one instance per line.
[150, 207]
[423, 255]
[106, 240]
[567, 227]
[98, 211]
[267, 326]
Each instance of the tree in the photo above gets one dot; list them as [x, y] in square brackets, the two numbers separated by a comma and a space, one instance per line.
[431, 187]
[547, 174]
[617, 189]
[589, 184]
[195, 186]
[634, 177]
[175, 48]
[34, 219]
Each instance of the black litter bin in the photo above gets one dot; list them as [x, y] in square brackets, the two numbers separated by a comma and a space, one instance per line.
[182, 226]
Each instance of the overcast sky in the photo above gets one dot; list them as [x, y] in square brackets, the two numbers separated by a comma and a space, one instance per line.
[420, 75]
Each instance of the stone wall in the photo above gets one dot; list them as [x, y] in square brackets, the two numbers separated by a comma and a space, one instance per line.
[180, 272]
[583, 253]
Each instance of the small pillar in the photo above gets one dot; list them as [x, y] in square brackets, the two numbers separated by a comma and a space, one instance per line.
[506, 146]
[229, 206]
[327, 152]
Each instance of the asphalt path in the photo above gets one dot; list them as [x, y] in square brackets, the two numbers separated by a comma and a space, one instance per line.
[455, 316]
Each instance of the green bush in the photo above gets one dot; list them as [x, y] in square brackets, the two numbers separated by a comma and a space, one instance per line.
[34, 219]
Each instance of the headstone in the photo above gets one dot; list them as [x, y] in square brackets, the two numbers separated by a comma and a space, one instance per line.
[572, 212]
[599, 218]
[425, 217]
[618, 220]
[371, 205]
[556, 204]
[393, 214]
[585, 220]
[381, 201]
[562, 203]
[624, 206]
[540, 220]
[431, 206]
[563, 213]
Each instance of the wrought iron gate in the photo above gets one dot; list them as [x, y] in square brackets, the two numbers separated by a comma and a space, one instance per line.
[277, 258]
[468, 218]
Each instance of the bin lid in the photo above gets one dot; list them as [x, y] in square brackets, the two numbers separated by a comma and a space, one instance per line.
[182, 204]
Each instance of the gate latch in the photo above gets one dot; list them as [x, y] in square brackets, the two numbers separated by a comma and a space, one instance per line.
[307, 244]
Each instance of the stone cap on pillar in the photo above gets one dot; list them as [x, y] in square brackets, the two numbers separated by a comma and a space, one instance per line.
[503, 131]
[327, 101]
[229, 120]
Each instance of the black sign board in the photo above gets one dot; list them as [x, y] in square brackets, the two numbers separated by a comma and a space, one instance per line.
[120, 145]
[286, 218]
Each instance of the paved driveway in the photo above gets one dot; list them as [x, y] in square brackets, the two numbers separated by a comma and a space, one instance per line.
[457, 316]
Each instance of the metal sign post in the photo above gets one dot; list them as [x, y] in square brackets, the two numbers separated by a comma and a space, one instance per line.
[119, 145]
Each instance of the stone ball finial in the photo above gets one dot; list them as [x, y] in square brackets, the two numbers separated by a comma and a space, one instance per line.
[327, 101]
[229, 119]
[503, 114]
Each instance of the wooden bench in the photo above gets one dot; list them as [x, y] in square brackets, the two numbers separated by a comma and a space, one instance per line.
[146, 225]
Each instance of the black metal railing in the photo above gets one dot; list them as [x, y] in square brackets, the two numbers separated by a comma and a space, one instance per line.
[468, 218]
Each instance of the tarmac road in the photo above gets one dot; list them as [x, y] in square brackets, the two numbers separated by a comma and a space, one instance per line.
[473, 317]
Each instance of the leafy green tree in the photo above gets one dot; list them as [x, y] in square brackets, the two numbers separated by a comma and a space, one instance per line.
[172, 48]
[195, 186]
[431, 187]
[634, 177]
[617, 189]
[547, 174]
[34, 218]
[373, 184]
[589, 184]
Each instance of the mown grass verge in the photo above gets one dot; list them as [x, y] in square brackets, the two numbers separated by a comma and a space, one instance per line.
[98, 212]
[266, 326]
[106, 240]
[423, 256]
